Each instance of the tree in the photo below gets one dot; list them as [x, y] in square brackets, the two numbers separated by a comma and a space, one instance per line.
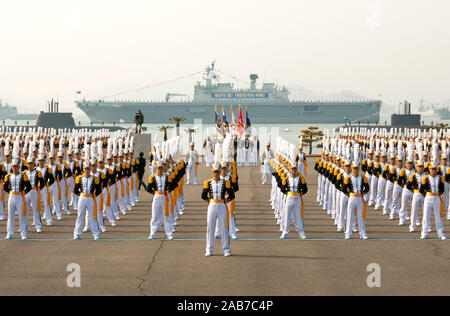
[177, 121]
[164, 129]
[190, 132]
[311, 136]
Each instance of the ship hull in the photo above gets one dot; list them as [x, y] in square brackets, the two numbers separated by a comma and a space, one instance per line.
[262, 113]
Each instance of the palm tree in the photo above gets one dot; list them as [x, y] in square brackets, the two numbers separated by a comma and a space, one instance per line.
[190, 132]
[177, 121]
[164, 129]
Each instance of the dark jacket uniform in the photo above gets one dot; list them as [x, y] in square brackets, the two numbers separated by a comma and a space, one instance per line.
[24, 183]
[207, 193]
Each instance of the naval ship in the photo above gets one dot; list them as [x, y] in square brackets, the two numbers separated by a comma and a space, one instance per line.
[268, 104]
[6, 111]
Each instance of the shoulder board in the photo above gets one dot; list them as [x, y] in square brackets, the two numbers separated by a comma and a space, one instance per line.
[150, 179]
[442, 178]
[96, 180]
[78, 179]
[227, 184]
[58, 167]
[339, 176]
[25, 177]
[103, 175]
[448, 171]
[206, 184]
[346, 180]
[402, 172]
[411, 178]
[365, 180]
[303, 180]
[49, 170]
[424, 180]
[6, 177]
[386, 167]
[117, 168]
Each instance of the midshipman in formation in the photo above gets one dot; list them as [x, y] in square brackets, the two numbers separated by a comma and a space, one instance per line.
[404, 174]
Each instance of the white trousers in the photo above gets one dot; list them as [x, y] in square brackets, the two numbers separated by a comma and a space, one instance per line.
[122, 200]
[71, 196]
[416, 205]
[293, 212]
[373, 190]
[100, 223]
[158, 209]
[342, 214]
[15, 205]
[47, 212]
[388, 197]
[64, 197]
[396, 200]
[247, 157]
[55, 199]
[32, 199]
[432, 205]
[217, 215]
[109, 209]
[191, 176]
[407, 196]
[355, 203]
[381, 193]
[85, 204]
[319, 189]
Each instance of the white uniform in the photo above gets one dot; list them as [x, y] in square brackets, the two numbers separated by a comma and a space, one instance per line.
[293, 208]
[32, 199]
[55, 189]
[265, 158]
[44, 194]
[158, 208]
[192, 158]
[416, 204]
[432, 205]
[356, 202]
[407, 196]
[86, 204]
[15, 206]
[381, 188]
[217, 215]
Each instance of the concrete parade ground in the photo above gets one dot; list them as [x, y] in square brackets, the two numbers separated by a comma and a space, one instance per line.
[124, 262]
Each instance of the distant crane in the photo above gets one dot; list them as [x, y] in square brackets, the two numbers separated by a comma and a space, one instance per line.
[169, 95]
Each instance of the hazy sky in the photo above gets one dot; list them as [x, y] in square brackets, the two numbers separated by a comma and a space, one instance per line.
[398, 49]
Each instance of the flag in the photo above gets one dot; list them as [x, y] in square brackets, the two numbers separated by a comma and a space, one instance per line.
[224, 123]
[218, 121]
[233, 120]
[224, 118]
[247, 120]
[240, 128]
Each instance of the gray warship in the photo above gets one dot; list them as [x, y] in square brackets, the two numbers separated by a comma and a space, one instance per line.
[268, 104]
[6, 111]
